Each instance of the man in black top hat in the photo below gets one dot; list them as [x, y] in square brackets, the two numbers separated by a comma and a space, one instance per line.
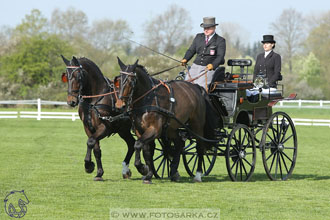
[269, 62]
[210, 49]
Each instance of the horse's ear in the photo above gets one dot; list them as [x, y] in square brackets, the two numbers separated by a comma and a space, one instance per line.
[66, 61]
[75, 61]
[121, 64]
[135, 64]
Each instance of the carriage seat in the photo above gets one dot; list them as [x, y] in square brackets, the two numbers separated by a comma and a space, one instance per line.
[219, 74]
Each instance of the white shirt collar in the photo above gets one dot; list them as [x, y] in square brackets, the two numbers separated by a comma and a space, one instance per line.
[268, 52]
[210, 37]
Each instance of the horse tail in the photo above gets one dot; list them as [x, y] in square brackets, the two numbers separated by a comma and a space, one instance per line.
[212, 120]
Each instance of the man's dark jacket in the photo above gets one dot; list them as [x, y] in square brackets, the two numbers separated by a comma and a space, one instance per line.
[271, 65]
[211, 53]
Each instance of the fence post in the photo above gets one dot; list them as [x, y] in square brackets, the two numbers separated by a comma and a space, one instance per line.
[281, 103]
[321, 103]
[73, 117]
[39, 110]
[299, 103]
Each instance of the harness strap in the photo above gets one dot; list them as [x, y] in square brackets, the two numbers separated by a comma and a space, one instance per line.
[152, 89]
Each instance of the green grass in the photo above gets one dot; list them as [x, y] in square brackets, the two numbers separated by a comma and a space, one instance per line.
[45, 158]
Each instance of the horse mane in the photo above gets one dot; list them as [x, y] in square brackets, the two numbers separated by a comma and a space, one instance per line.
[143, 68]
[93, 67]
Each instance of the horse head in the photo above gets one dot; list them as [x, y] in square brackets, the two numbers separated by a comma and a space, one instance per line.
[126, 82]
[74, 76]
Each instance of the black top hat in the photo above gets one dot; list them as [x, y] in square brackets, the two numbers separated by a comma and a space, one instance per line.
[268, 39]
[208, 22]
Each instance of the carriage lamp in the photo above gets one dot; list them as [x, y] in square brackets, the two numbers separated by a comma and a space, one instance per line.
[261, 81]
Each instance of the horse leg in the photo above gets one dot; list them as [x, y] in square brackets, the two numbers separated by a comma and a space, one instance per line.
[200, 153]
[143, 169]
[97, 154]
[93, 143]
[89, 164]
[130, 141]
[143, 142]
[178, 146]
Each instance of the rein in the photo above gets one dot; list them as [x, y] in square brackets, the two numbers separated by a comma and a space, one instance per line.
[95, 96]
[163, 71]
[152, 89]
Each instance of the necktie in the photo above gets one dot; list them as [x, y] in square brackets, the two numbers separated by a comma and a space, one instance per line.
[207, 40]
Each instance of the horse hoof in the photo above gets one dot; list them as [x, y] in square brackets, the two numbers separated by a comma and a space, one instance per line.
[196, 180]
[97, 178]
[175, 177]
[89, 167]
[127, 175]
[146, 182]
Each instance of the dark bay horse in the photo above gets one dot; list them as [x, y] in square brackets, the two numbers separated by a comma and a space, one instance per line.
[86, 81]
[158, 110]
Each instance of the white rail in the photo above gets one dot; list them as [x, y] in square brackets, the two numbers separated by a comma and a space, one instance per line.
[314, 104]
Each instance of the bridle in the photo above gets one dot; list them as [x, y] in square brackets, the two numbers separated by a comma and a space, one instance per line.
[123, 81]
[80, 78]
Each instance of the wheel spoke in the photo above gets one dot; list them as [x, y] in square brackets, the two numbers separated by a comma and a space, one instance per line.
[163, 170]
[244, 137]
[240, 167]
[194, 155]
[284, 133]
[233, 164]
[287, 139]
[271, 138]
[271, 166]
[247, 162]
[279, 162]
[271, 155]
[208, 158]
[158, 157]
[188, 149]
[194, 165]
[287, 157]
[290, 148]
[276, 165]
[203, 162]
[287, 170]
[168, 167]
[244, 169]
[160, 164]
[236, 169]
[280, 132]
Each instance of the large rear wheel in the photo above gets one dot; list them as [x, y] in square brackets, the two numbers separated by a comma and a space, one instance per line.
[279, 146]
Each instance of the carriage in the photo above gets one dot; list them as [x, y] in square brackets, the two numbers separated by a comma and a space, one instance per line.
[247, 125]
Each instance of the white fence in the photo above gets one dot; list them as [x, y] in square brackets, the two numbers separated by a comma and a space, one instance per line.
[37, 114]
[316, 104]
[74, 115]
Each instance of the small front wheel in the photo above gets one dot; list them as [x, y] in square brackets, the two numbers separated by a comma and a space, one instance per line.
[240, 153]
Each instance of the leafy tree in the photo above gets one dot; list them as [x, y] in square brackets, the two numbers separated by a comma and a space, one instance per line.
[71, 24]
[168, 31]
[34, 62]
[33, 24]
[318, 42]
[289, 33]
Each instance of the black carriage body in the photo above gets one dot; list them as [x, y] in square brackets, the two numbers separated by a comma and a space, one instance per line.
[240, 109]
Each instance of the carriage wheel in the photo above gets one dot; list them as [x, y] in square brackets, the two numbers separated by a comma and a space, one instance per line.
[279, 146]
[161, 162]
[190, 159]
[240, 153]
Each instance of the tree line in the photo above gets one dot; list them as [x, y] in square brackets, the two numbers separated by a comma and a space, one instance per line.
[31, 66]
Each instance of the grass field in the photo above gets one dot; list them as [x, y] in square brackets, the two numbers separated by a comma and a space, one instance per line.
[45, 158]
